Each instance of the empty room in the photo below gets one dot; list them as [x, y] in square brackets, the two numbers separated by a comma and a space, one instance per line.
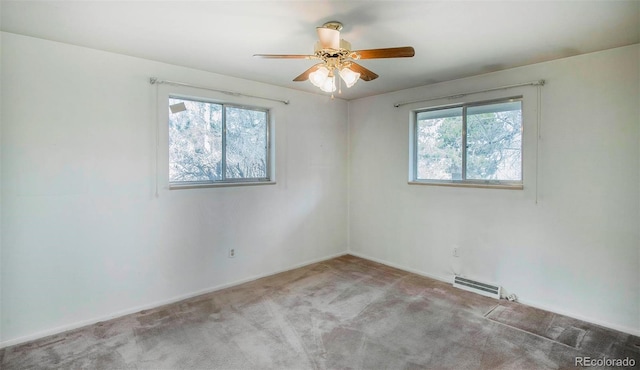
[319, 184]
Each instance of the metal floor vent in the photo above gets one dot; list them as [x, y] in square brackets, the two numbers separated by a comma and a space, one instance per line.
[485, 289]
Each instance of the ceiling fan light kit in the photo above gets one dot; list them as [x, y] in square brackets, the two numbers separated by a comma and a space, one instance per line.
[319, 76]
[349, 77]
[336, 55]
[323, 78]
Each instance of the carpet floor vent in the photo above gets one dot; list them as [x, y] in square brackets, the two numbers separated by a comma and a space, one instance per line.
[485, 289]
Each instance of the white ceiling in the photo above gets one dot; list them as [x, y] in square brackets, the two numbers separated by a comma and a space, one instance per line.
[452, 39]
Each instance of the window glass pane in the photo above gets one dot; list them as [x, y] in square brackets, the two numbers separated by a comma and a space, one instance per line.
[195, 141]
[439, 144]
[246, 143]
[494, 142]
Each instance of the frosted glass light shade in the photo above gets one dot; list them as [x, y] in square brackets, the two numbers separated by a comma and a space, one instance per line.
[349, 77]
[329, 84]
[319, 76]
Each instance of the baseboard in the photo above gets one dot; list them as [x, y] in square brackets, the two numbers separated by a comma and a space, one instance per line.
[444, 279]
[624, 329]
[559, 311]
[79, 324]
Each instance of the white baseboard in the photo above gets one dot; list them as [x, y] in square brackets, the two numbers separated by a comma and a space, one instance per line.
[624, 329]
[444, 279]
[559, 311]
[79, 324]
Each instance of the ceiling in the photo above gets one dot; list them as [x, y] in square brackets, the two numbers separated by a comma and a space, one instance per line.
[452, 39]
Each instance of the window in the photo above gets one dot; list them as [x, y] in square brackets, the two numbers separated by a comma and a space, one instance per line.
[213, 143]
[469, 144]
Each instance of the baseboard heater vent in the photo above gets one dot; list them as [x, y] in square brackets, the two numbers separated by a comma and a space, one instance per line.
[485, 289]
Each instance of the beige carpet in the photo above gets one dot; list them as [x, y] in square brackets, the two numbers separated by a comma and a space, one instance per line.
[346, 313]
[566, 330]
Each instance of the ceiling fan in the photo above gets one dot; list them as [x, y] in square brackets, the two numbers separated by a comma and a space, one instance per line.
[336, 54]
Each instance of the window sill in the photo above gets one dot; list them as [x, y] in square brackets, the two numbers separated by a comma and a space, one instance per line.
[196, 185]
[469, 185]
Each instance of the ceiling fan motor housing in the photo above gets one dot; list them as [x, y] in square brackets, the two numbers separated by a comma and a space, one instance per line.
[344, 44]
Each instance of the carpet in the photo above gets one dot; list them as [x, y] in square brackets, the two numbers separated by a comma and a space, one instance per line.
[345, 313]
[566, 330]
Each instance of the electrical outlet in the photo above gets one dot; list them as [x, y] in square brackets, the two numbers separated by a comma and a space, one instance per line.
[232, 252]
[456, 252]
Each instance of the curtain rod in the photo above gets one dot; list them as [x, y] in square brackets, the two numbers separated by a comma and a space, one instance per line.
[154, 80]
[532, 83]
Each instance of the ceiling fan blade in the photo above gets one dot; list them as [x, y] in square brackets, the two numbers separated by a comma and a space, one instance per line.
[401, 52]
[305, 75]
[328, 37]
[285, 56]
[365, 74]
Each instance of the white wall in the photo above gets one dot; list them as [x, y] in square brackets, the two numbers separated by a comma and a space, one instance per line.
[576, 251]
[83, 235]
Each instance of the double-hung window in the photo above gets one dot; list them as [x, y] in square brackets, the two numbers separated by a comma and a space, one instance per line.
[469, 144]
[215, 143]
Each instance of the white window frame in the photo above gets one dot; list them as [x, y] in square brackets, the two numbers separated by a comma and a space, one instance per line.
[500, 184]
[162, 136]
